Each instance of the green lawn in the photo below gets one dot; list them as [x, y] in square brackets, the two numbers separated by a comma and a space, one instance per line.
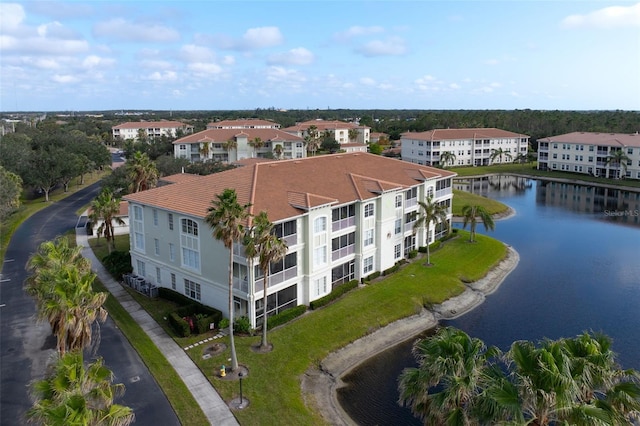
[462, 198]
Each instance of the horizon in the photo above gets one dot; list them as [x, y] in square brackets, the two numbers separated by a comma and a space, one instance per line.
[430, 55]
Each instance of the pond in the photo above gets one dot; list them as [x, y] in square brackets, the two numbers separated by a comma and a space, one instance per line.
[579, 271]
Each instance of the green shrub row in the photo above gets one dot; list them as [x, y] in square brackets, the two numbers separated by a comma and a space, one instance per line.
[179, 325]
[118, 263]
[413, 254]
[372, 276]
[336, 293]
[286, 316]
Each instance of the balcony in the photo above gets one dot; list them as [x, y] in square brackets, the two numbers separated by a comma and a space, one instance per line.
[443, 192]
[241, 284]
[410, 202]
[408, 227]
[343, 252]
[276, 278]
[343, 223]
[291, 240]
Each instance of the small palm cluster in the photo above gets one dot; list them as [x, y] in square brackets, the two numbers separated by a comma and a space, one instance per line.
[61, 282]
[229, 220]
[459, 381]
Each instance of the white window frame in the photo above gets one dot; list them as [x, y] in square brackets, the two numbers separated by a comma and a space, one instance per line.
[173, 281]
[172, 252]
[189, 244]
[367, 265]
[320, 255]
[192, 289]
[397, 251]
[320, 224]
[138, 229]
[156, 246]
[158, 275]
[155, 217]
[369, 237]
[320, 286]
[398, 201]
[369, 210]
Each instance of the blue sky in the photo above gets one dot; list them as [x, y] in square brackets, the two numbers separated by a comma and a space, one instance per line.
[188, 55]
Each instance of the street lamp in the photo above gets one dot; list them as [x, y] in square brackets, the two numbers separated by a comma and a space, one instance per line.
[240, 375]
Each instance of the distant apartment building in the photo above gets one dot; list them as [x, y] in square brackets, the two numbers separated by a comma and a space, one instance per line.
[471, 147]
[591, 153]
[351, 137]
[343, 217]
[232, 141]
[243, 124]
[151, 129]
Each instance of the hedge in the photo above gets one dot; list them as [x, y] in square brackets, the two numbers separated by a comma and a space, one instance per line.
[118, 263]
[372, 276]
[336, 293]
[179, 325]
[286, 316]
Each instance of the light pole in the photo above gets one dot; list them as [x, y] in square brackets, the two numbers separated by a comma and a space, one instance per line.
[240, 375]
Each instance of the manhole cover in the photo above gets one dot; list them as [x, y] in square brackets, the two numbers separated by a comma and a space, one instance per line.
[134, 379]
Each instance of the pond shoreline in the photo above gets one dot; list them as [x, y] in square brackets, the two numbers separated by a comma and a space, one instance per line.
[320, 384]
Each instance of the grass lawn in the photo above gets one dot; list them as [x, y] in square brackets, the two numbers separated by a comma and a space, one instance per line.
[273, 384]
[462, 198]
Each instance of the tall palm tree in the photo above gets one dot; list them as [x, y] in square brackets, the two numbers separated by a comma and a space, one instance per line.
[353, 134]
[106, 207]
[618, 159]
[499, 154]
[230, 145]
[312, 139]
[445, 386]
[256, 143]
[74, 395]
[278, 151]
[447, 157]
[205, 150]
[471, 214]
[227, 218]
[142, 172]
[262, 243]
[430, 212]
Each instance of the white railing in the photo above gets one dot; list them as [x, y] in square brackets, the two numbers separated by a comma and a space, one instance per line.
[443, 192]
[344, 251]
[277, 278]
[410, 202]
[343, 223]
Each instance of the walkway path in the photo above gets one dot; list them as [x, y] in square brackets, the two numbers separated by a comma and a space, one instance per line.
[213, 406]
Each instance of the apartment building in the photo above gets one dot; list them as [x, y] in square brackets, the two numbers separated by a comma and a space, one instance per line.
[342, 132]
[232, 143]
[250, 123]
[470, 147]
[151, 129]
[590, 153]
[343, 216]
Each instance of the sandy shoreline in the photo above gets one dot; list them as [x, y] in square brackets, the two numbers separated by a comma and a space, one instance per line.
[319, 384]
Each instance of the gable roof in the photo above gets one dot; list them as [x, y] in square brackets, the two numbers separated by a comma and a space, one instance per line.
[287, 188]
[150, 124]
[457, 134]
[604, 139]
[323, 125]
[242, 124]
[223, 135]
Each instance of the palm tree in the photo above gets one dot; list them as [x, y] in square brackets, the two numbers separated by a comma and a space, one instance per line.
[75, 395]
[205, 149]
[262, 243]
[429, 213]
[230, 145]
[106, 208]
[499, 153]
[278, 151]
[447, 157]
[521, 158]
[353, 134]
[619, 160]
[142, 172]
[312, 139]
[227, 217]
[256, 143]
[471, 214]
[445, 386]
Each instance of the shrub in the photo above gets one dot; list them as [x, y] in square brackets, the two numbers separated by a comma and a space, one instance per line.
[179, 325]
[413, 253]
[391, 270]
[200, 315]
[242, 325]
[286, 316]
[422, 249]
[118, 263]
[224, 323]
[372, 276]
[435, 245]
[336, 293]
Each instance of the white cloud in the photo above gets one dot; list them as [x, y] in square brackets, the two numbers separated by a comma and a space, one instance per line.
[606, 18]
[11, 17]
[258, 38]
[123, 30]
[41, 45]
[204, 68]
[193, 53]
[56, 30]
[357, 31]
[491, 62]
[64, 79]
[94, 61]
[367, 81]
[228, 60]
[281, 74]
[156, 64]
[393, 46]
[162, 76]
[454, 86]
[425, 79]
[297, 56]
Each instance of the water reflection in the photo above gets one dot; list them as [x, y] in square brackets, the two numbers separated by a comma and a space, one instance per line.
[578, 271]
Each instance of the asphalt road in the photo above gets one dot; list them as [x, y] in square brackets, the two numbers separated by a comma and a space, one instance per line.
[26, 346]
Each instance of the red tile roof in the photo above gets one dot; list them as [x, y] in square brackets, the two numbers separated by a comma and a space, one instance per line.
[150, 125]
[323, 125]
[457, 134]
[604, 139]
[247, 123]
[288, 187]
[223, 135]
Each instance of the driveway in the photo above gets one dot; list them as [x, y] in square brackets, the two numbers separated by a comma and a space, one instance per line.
[26, 346]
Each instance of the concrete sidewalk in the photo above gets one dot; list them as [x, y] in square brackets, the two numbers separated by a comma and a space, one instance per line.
[213, 406]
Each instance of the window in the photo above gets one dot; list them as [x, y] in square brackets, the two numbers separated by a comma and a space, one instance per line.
[156, 244]
[173, 281]
[155, 217]
[368, 265]
[172, 252]
[368, 210]
[138, 229]
[170, 219]
[320, 224]
[343, 241]
[158, 276]
[320, 256]
[142, 271]
[399, 201]
[343, 273]
[630, 151]
[397, 251]
[398, 226]
[183, 147]
[320, 286]
[368, 237]
[190, 244]
[192, 289]
[282, 230]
